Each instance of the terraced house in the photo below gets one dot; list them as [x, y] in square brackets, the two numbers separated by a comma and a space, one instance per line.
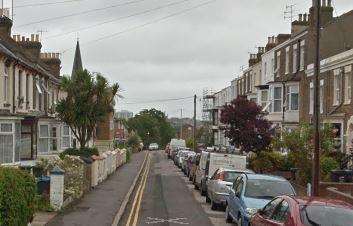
[280, 76]
[29, 81]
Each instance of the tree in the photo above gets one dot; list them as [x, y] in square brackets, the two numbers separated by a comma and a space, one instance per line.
[246, 127]
[152, 126]
[89, 100]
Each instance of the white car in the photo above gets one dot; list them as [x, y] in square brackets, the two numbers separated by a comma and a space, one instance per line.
[153, 147]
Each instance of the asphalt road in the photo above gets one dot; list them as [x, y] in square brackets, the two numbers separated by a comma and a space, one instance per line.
[168, 198]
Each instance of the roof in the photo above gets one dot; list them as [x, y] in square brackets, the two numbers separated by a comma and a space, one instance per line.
[13, 50]
[77, 60]
[265, 177]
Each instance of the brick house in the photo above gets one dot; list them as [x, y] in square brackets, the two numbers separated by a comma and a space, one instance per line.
[29, 81]
[336, 107]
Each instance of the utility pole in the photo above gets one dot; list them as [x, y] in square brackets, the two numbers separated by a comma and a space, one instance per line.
[194, 129]
[181, 123]
[316, 163]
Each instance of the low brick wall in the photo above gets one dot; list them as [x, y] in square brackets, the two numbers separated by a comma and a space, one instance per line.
[333, 193]
[342, 187]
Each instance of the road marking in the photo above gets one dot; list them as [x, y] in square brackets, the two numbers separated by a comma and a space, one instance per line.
[155, 220]
[122, 209]
[141, 194]
[128, 223]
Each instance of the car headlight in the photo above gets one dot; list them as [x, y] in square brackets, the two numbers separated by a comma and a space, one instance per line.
[251, 211]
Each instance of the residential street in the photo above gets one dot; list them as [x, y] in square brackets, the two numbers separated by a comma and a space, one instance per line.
[170, 199]
[100, 206]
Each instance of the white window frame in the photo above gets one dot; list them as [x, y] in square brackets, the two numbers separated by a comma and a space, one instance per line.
[263, 103]
[311, 98]
[6, 84]
[287, 60]
[67, 136]
[44, 137]
[295, 58]
[278, 62]
[278, 99]
[347, 84]
[337, 87]
[12, 133]
[302, 55]
[322, 90]
[291, 91]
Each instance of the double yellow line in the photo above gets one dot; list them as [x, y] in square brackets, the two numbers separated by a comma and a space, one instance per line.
[136, 205]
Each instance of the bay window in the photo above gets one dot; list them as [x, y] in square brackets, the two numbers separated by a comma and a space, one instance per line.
[10, 141]
[264, 98]
[48, 138]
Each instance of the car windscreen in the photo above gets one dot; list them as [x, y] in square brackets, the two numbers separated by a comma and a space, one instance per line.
[326, 216]
[230, 176]
[267, 189]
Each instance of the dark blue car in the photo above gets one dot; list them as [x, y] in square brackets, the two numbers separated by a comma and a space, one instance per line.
[251, 192]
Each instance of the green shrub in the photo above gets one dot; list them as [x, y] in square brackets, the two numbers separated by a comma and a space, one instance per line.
[128, 154]
[17, 197]
[43, 204]
[327, 165]
[270, 161]
[83, 152]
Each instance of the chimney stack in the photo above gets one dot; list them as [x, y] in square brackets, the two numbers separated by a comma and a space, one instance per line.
[53, 61]
[31, 45]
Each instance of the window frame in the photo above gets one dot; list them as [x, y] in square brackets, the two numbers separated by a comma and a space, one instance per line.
[6, 84]
[289, 97]
[277, 99]
[9, 133]
[302, 56]
[311, 98]
[337, 89]
[278, 63]
[347, 84]
[322, 90]
[295, 58]
[287, 60]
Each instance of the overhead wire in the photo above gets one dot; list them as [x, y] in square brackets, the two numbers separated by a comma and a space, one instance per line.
[45, 4]
[116, 19]
[144, 24]
[80, 13]
[159, 100]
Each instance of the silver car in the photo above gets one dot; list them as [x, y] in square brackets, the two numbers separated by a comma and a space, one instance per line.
[218, 186]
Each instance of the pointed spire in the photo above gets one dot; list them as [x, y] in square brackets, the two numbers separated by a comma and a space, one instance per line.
[77, 60]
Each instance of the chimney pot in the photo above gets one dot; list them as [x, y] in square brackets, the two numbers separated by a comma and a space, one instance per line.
[305, 17]
[32, 37]
[300, 17]
[324, 3]
[27, 39]
[14, 37]
[329, 3]
[37, 37]
[23, 38]
[58, 55]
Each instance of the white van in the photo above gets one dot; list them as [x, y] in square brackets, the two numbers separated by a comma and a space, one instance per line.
[210, 162]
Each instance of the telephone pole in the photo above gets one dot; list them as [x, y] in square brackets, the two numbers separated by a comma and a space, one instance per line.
[194, 129]
[181, 123]
[316, 163]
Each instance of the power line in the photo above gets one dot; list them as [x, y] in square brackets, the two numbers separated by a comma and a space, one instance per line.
[81, 13]
[117, 19]
[46, 4]
[144, 25]
[160, 100]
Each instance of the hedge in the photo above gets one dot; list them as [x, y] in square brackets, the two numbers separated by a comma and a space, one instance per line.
[82, 152]
[17, 197]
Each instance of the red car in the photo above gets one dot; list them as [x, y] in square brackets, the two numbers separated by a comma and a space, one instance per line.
[309, 211]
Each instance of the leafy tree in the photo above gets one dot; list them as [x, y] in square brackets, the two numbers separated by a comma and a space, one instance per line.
[89, 100]
[134, 142]
[300, 146]
[246, 128]
[152, 126]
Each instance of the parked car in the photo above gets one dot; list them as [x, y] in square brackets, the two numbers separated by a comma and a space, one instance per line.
[251, 192]
[181, 156]
[308, 211]
[153, 147]
[193, 166]
[184, 164]
[219, 184]
[174, 145]
[210, 162]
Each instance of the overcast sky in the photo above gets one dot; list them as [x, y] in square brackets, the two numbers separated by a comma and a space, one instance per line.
[173, 58]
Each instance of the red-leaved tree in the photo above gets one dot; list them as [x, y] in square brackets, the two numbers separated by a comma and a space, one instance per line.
[246, 127]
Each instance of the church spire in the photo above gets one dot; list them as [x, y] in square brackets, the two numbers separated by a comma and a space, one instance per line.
[77, 60]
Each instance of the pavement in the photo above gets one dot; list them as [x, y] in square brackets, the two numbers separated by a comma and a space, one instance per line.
[100, 206]
[168, 198]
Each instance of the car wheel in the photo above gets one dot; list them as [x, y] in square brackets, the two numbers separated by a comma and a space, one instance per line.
[228, 217]
[213, 205]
